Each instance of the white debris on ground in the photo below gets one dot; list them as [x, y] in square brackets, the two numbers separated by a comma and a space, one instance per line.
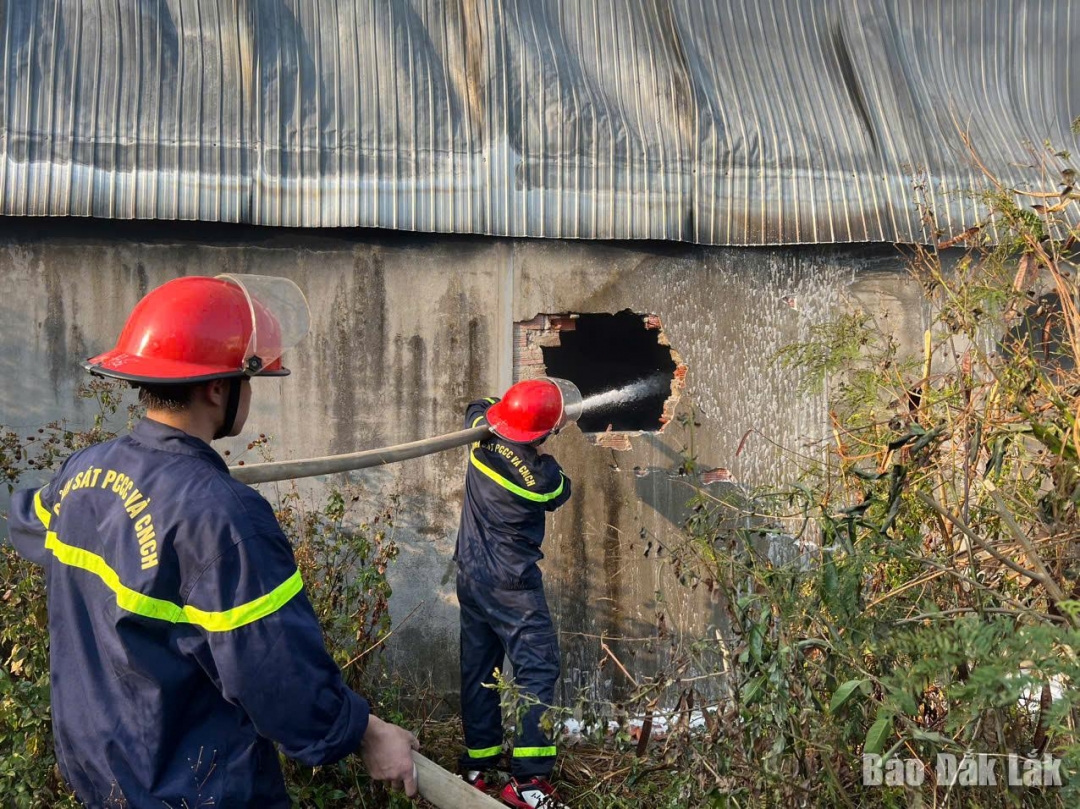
[573, 729]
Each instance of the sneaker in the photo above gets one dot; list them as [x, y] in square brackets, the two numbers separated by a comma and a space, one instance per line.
[536, 793]
[475, 778]
[486, 780]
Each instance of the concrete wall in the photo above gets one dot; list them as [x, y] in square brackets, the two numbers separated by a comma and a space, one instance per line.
[408, 328]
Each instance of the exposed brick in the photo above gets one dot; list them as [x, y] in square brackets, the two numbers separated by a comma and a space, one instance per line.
[718, 475]
[611, 440]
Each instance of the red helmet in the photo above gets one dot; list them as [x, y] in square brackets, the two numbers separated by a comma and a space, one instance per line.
[529, 411]
[195, 329]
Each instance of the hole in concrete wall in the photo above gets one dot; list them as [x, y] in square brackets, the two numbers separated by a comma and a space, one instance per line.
[622, 360]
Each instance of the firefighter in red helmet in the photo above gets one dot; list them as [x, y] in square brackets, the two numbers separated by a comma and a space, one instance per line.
[509, 488]
[183, 645]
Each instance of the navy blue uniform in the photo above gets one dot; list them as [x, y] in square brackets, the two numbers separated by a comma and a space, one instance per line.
[509, 488]
[182, 643]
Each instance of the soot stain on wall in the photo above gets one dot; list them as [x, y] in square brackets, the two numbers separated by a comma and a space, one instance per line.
[352, 352]
[55, 323]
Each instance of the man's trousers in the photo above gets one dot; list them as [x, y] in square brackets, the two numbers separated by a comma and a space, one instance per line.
[517, 624]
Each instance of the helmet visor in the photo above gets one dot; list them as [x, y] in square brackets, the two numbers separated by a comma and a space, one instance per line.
[279, 318]
[571, 400]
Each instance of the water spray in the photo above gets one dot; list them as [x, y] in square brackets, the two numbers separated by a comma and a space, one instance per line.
[625, 395]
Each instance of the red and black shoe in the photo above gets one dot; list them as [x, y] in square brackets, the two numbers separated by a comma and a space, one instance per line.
[486, 781]
[535, 793]
[475, 778]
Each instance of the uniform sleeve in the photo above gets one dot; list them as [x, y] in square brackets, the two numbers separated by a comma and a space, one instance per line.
[558, 478]
[28, 516]
[475, 412]
[268, 654]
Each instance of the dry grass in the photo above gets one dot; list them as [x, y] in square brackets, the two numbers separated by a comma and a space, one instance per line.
[587, 774]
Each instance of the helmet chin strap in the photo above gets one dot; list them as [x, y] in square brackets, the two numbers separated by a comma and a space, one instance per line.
[231, 407]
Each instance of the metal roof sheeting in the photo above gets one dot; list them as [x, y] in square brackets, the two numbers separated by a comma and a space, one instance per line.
[713, 121]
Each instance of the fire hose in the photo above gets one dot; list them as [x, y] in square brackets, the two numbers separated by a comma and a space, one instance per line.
[446, 791]
[568, 403]
[329, 464]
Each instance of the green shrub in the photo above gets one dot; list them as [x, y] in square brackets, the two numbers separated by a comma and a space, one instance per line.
[929, 599]
[28, 773]
[344, 566]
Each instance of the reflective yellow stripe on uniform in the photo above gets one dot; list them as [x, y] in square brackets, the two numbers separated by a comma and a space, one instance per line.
[513, 487]
[486, 752]
[150, 607]
[533, 752]
[476, 422]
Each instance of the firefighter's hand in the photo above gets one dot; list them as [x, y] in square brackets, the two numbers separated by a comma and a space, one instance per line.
[387, 754]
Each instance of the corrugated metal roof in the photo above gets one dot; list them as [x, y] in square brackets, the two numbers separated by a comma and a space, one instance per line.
[714, 121]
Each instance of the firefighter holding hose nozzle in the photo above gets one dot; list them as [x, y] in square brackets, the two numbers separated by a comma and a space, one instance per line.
[509, 488]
